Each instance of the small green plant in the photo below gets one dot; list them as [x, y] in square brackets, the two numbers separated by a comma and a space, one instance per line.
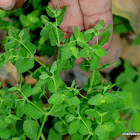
[93, 116]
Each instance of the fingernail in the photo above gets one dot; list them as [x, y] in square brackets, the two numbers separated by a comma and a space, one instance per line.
[7, 4]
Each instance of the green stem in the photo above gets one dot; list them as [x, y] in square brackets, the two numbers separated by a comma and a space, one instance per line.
[32, 103]
[43, 123]
[42, 126]
[88, 137]
[54, 84]
[30, 53]
[91, 81]
[63, 122]
[51, 109]
[58, 57]
[97, 40]
[58, 39]
[25, 47]
[39, 62]
[84, 123]
[87, 59]
[83, 96]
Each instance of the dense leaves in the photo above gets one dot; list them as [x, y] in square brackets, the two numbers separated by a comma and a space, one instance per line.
[94, 115]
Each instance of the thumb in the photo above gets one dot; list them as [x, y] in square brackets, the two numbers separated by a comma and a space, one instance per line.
[7, 4]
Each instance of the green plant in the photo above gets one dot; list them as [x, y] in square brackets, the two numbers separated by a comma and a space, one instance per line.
[129, 81]
[93, 116]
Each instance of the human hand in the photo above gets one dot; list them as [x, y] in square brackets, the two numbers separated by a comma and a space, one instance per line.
[11, 4]
[84, 13]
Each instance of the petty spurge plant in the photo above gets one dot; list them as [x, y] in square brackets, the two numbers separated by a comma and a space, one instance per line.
[93, 116]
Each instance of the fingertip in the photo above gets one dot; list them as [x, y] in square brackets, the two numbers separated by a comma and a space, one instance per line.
[7, 4]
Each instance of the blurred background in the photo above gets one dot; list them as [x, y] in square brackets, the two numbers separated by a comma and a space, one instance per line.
[125, 46]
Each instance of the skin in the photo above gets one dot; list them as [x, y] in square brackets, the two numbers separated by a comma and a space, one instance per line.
[81, 13]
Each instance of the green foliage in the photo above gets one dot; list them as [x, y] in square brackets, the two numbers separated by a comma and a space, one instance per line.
[129, 81]
[94, 115]
[121, 25]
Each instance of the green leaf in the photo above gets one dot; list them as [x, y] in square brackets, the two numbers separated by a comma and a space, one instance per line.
[70, 118]
[92, 113]
[65, 51]
[54, 67]
[3, 124]
[76, 32]
[116, 115]
[110, 98]
[136, 122]
[31, 47]
[20, 108]
[33, 112]
[107, 65]
[24, 65]
[60, 127]
[26, 89]
[52, 86]
[56, 98]
[54, 135]
[85, 52]
[74, 126]
[76, 136]
[99, 25]
[5, 133]
[44, 76]
[85, 66]
[48, 27]
[44, 19]
[11, 44]
[12, 89]
[105, 38]
[58, 110]
[73, 101]
[100, 51]
[60, 15]
[50, 11]
[96, 81]
[83, 130]
[106, 29]
[94, 62]
[30, 128]
[39, 71]
[109, 126]
[96, 100]
[75, 52]
[101, 133]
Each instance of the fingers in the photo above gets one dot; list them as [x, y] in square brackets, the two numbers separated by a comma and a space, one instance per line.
[19, 3]
[11, 4]
[73, 16]
[95, 10]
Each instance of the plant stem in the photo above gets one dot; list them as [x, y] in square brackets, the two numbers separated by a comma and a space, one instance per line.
[88, 136]
[63, 122]
[42, 126]
[43, 123]
[83, 96]
[40, 62]
[58, 39]
[30, 53]
[84, 123]
[58, 57]
[91, 81]
[54, 84]
[32, 103]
